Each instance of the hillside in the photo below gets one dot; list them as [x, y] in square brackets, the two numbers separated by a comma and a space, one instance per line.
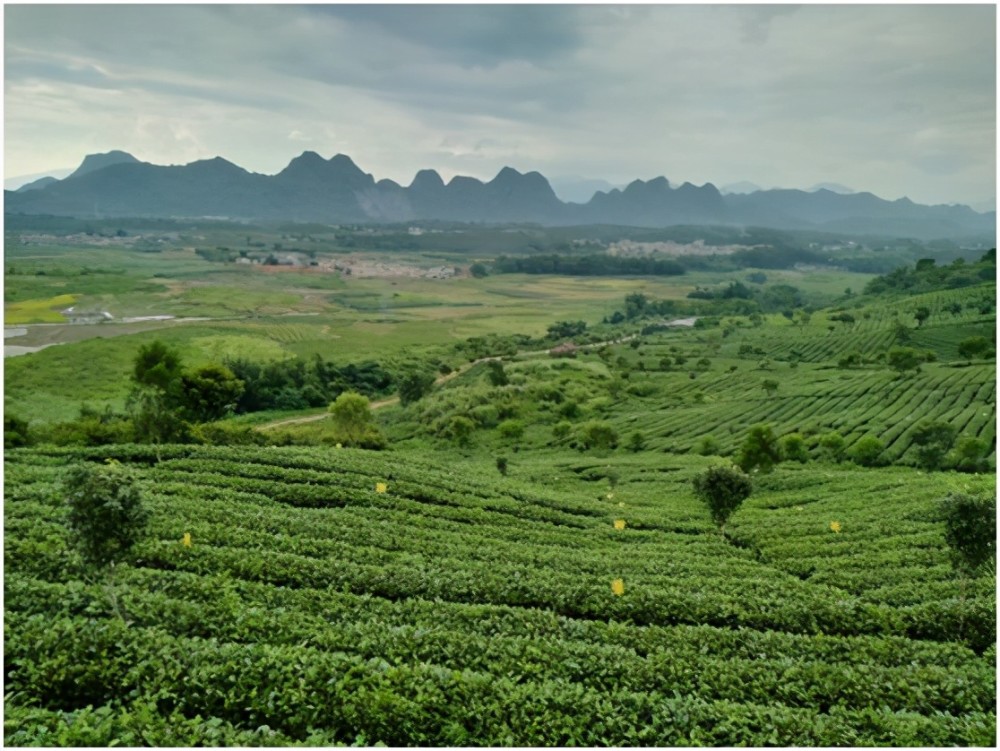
[459, 607]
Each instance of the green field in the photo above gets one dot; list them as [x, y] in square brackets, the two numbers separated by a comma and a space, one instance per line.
[462, 608]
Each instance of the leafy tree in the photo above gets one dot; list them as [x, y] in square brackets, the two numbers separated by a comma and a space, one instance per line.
[635, 305]
[708, 446]
[566, 329]
[511, 430]
[561, 429]
[970, 531]
[209, 393]
[722, 489]
[598, 434]
[15, 432]
[832, 445]
[106, 511]
[502, 465]
[352, 418]
[867, 451]
[901, 333]
[156, 365]
[770, 386]
[414, 385]
[478, 270]
[970, 455]
[793, 448]
[154, 419]
[933, 439]
[636, 441]
[902, 359]
[974, 346]
[922, 314]
[845, 318]
[496, 373]
[760, 450]
[460, 430]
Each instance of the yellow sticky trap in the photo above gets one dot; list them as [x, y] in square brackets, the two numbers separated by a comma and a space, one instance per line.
[835, 526]
[381, 487]
[619, 524]
[186, 542]
[618, 587]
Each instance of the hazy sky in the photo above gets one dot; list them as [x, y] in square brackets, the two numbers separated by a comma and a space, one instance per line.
[895, 99]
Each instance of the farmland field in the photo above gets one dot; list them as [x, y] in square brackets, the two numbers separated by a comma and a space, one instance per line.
[520, 558]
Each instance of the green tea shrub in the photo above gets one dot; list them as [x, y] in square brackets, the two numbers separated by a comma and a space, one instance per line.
[832, 446]
[597, 434]
[933, 439]
[722, 489]
[511, 430]
[708, 446]
[970, 455]
[793, 448]
[970, 529]
[107, 513]
[867, 452]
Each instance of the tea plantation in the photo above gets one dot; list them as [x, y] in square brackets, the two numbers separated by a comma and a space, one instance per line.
[326, 596]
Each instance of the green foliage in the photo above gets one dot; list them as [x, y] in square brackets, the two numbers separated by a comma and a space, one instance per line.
[597, 434]
[770, 386]
[975, 346]
[415, 384]
[970, 454]
[460, 430]
[971, 531]
[511, 430]
[15, 432]
[933, 440]
[722, 489]
[208, 393]
[708, 446]
[107, 513]
[868, 451]
[478, 270]
[902, 359]
[354, 424]
[157, 365]
[793, 448]
[922, 313]
[636, 441]
[832, 445]
[501, 463]
[562, 429]
[496, 374]
[566, 329]
[760, 450]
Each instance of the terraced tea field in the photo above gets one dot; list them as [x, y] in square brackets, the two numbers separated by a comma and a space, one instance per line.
[815, 399]
[339, 596]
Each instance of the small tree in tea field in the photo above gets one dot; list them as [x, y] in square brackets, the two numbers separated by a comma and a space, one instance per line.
[970, 529]
[933, 439]
[722, 489]
[759, 450]
[107, 513]
[867, 451]
[793, 448]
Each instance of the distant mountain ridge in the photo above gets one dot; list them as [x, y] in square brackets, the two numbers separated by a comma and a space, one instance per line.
[336, 190]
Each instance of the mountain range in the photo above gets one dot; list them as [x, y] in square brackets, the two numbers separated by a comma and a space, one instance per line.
[336, 190]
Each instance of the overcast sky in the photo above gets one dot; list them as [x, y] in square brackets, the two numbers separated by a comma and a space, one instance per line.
[895, 99]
